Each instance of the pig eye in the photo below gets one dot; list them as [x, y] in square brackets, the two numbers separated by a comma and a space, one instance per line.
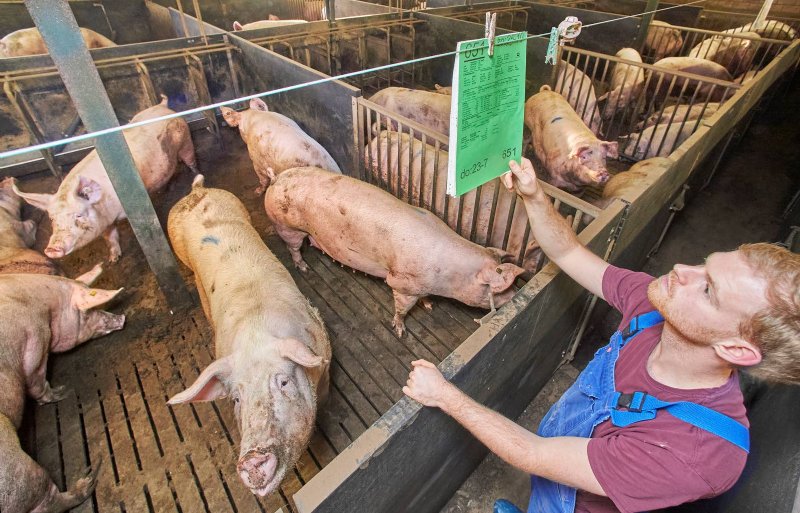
[284, 382]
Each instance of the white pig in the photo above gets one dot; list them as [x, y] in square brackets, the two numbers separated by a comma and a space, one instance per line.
[626, 84]
[663, 40]
[273, 21]
[29, 42]
[679, 113]
[41, 314]
[736, 54]
[572, 156]
[86, 205]
[275, 141]
[574, 85]
[663, 82]
[428, 108]
[658, 140]
[372, 231]
[772, 29]
[272, 349]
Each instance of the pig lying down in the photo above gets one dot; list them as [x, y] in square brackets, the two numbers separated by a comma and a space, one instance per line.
[370, 230]
[41, 314]
[273, 21]
[86, 205]
[275, 141]
[428, 108]
[272, 350]
[29, 42]
[571, 155]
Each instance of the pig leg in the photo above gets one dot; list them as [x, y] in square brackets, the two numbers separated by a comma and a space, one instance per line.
[294, 241]
[111, 235]
[187, 155]
[39, 388]
[203, 298]
[56, 501]
[323, 386]
[426, 304]
[402, 304]
[263, 179]
[89, 277]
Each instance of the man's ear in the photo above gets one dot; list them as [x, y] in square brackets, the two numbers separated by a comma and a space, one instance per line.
[738, 351]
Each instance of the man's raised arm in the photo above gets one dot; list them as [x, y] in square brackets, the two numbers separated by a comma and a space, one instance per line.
[552, 232]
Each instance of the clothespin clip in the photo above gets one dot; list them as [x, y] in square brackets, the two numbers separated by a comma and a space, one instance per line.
[491, 24]
[566, 32]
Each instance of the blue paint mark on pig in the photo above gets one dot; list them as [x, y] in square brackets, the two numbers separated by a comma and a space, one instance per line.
[209, 239]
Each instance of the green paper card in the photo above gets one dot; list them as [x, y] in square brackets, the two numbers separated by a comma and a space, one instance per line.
[487, 112]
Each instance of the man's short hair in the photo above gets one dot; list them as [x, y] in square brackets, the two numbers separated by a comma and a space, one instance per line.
[775, 329]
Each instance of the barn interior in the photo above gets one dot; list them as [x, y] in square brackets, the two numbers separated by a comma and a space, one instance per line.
[158, 457]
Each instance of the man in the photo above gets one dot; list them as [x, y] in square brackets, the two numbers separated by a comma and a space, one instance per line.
[657, 418]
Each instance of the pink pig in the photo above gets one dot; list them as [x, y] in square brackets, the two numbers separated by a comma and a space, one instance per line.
[29, 42]
[429, 108]
[370, 230]
[275, 141]
[41, 314]
[86, 205]
[572, 156]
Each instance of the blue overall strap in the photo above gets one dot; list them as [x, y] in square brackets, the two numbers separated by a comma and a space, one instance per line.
[640, 406]
[641, 322]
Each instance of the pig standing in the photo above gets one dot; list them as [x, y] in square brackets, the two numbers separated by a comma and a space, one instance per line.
[571, 154]
[626, 84]
[658, 140]
[273, 21]
[370, 230]
[427, 108]
[86, 205]
[41, 314]
[29, 42]
[574, 85]
[392, 153]
[679, 113]
[663, 40]
[734, 53]
[662, 83]
[272, 349]
[275, 141]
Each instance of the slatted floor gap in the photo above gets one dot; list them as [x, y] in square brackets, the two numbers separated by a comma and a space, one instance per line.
[157, 458]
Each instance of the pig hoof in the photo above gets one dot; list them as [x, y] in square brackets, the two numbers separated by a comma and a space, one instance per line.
[399, 328]
[260, 190]
[114, 256]
[427, 304]
[85, 485]
[53, 395]
[303, 267]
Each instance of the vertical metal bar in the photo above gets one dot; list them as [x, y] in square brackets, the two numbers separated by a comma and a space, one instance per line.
[652, 5]
[183, 19]
[199, 15]
[197, 75]
[60, 32]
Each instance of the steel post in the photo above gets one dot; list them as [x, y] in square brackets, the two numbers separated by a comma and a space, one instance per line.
[652, 5]
[60, 32]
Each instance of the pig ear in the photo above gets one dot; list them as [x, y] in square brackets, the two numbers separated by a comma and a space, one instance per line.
[230, 116]
[85, 298]
[88, 190]
[40, 201]
[208, 386]
[258, 104]
[500, 277]
[237, 25]
[611, 149]
[29, 231]
[299, 353]
[271, 174]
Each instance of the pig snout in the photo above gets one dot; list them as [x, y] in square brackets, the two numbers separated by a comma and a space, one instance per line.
[602, 177]
[257, 469]
[60, 245]
[55, 251]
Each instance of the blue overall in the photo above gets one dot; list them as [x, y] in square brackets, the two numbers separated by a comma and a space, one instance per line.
[593, 398]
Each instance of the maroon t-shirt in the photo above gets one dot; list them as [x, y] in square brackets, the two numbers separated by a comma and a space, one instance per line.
[665, 461]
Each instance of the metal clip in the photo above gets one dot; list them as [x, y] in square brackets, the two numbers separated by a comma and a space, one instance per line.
[491, 25]
[492, 310]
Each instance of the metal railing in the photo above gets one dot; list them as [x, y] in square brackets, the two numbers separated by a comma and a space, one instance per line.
[725, 20]
[349, 48]
[740, 53]
[512, 17]
[409, 160]
[659, 110]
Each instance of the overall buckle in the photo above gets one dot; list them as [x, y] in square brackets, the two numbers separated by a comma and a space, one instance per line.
[632, 402]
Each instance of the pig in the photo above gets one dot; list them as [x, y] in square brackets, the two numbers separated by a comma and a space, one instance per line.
[86, 205]
[746, 77]
[273, 21]
[576, 87]
[571, 156]
[275, 141]
[448, 90]
[370, 230]
[663, 40]
[17, 237]
[679, 113]
[662, 83]
[658, 140]
[29, 42]
[387, 155]
[734, 53]
[41, 314]
[427, 108]
[772, 29]
[629, 184]
[627, 82]
[272, 351]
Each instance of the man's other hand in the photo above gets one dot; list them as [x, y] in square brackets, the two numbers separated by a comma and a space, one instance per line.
[426, 384]
[522, 178]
